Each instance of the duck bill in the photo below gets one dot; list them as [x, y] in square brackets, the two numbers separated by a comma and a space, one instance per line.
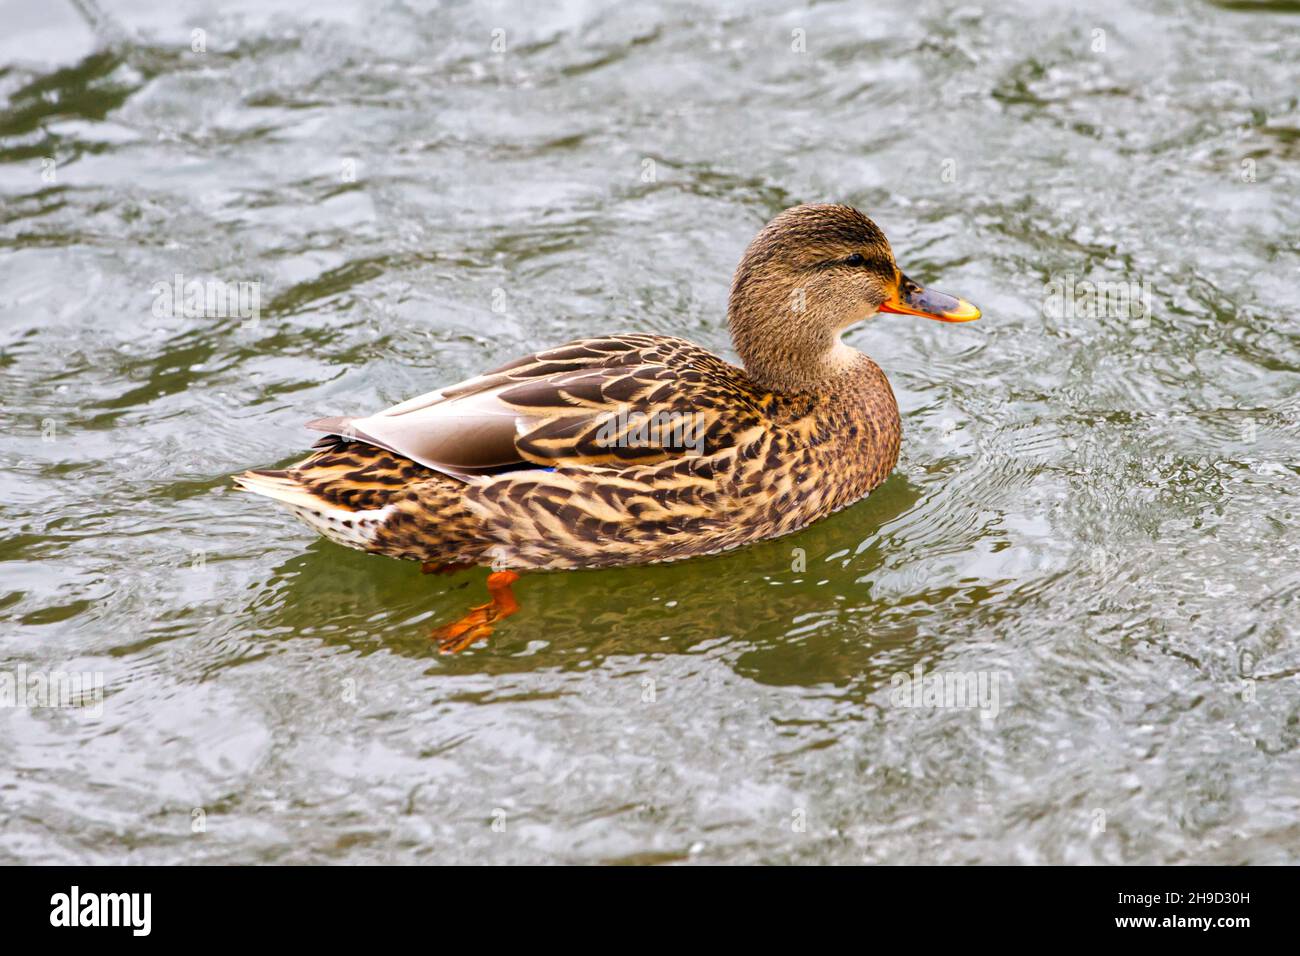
[909, 298]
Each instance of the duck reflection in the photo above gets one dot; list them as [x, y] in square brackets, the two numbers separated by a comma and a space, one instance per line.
[799, 610]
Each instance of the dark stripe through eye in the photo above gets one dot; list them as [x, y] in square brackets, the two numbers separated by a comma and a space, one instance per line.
[855, 260]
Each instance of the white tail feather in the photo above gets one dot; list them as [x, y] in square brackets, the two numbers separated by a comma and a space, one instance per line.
[354, 529]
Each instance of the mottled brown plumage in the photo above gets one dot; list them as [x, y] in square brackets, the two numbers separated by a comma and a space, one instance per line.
[633, 449]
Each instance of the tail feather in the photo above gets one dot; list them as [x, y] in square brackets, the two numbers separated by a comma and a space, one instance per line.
[280, 486]
[346, 491]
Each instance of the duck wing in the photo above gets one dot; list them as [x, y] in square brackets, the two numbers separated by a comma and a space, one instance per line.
[615, 402]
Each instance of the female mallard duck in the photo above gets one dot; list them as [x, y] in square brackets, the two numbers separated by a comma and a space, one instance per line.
[634, 449]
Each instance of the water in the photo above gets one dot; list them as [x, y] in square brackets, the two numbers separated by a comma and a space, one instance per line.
[1095, 515]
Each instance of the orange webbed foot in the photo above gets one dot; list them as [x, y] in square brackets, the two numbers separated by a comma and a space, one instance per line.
[478, 623]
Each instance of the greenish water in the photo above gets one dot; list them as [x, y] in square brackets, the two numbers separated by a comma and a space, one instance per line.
[1094, 514]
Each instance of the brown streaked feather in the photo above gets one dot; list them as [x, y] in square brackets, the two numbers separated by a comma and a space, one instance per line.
[770, 468]
[553, 408]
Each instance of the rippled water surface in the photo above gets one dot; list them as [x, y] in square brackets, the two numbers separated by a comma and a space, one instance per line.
[1096, 514]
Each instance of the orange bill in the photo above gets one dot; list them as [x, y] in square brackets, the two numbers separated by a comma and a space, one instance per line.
[910, 299]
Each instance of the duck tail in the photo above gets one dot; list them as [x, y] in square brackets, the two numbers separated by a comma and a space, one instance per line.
[346, 491]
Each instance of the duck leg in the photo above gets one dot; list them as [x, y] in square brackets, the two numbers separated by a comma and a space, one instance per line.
[477, 624]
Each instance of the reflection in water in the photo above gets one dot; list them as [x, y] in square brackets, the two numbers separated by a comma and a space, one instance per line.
[582, 618]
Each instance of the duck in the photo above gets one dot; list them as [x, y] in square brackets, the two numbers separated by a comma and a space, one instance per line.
[634, 448]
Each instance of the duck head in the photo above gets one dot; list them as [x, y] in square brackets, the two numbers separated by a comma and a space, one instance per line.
[812, 272]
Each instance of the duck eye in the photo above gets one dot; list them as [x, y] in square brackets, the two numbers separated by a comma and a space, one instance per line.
[855, 260]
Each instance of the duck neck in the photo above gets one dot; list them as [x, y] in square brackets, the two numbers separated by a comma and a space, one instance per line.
[788, 357]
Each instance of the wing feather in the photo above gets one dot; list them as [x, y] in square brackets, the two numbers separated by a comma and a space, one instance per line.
[617, 401]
